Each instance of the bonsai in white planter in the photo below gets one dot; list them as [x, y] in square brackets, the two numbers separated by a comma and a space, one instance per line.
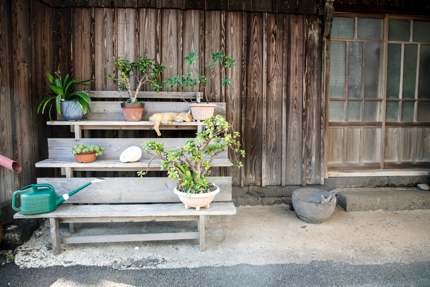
[190, 164]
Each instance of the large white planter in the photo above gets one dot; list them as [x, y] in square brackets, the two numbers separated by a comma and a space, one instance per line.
[197, 200]
[202, 111]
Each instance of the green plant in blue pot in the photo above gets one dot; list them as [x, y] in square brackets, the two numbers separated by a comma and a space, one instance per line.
[69, 103]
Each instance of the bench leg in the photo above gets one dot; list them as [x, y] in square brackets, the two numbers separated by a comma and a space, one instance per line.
[72, 228]
[55, 235]
[202, 232]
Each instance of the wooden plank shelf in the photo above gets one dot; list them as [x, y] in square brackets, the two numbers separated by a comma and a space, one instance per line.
[133, 210]
[78, 126]
[130, 190]
[116, 165]
[120, 124]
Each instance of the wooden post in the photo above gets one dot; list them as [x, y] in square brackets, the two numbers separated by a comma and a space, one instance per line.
[77, 131]
[202, 232]
[68, 172]
[55, 235]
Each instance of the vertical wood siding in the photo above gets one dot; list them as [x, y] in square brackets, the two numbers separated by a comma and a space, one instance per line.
[26, 54]
[274, 99]
[275, 96]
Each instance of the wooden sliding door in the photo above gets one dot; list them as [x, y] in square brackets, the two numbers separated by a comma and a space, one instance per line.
[379, 93]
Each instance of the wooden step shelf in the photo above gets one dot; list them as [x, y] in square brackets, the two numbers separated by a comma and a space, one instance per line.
[114, 165]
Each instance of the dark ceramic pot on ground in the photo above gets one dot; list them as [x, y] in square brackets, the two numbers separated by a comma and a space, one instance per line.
[132, 111]
[71, 111]
[313, 205]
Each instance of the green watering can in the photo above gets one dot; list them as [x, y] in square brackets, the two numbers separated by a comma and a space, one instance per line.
[42, 198]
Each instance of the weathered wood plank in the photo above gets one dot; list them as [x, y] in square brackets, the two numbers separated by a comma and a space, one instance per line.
[202, 232]
[295, 102]
[371, 141]
[352, 143]
[54, 229]
[169, 35]
[272, 174]
[234, 37]
[133, 210]
[76, 239]
[6, 127]
[81, 45]
[285, 90]
[212, 44]
[61, 149]
[254, 102]
[25, 130]
[311, 102]
[108, 110]
[191, 42]
[129, 189]
[144, 95]
[335, 151]
[104, 48]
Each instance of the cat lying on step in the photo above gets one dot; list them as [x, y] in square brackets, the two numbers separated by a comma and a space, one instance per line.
[169, 118]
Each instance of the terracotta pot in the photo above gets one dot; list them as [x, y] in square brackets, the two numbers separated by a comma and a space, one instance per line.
[202, 111]
[197, 200]
[132, 112]
[86, 157]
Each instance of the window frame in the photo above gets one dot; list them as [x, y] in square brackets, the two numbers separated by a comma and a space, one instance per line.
[382, 89]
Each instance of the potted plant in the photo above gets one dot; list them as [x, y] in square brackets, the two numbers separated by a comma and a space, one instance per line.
[68, 103]
[202, 111]
[190, 164]
[144, 71]
[86, 153]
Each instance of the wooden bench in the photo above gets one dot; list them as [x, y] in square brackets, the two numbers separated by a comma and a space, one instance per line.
[129, 200]
[126, 199]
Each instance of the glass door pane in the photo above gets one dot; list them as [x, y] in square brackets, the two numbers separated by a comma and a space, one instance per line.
[393, 70]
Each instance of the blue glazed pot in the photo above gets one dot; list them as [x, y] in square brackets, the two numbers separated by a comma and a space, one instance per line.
[71, 111]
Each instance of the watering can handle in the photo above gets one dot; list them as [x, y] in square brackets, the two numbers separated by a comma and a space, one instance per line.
[15, 194]
[44, 186]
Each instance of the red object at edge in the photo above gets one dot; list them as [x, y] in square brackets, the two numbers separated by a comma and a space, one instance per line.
[10, 164]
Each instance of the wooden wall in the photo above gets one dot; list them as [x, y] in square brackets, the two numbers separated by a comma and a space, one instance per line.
[26, 53]
[274, 99]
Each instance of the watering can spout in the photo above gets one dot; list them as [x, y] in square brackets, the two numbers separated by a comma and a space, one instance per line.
[66, 196]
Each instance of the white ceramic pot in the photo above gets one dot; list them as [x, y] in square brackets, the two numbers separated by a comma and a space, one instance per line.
[197, 200]
[202, 111]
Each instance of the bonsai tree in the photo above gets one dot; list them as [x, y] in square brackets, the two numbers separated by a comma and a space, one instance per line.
[190, 164]
[63, 89]
[144, 71]
[191, 80]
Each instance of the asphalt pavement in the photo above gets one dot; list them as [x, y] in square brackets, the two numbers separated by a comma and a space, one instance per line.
[313, 274]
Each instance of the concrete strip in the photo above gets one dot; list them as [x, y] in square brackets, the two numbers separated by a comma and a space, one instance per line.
[256, 236]
[386, 198]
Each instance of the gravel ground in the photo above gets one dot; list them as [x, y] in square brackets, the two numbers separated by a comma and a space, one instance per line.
[312, 274]
[257, 236]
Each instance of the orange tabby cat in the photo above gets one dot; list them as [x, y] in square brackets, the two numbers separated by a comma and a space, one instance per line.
[169, 118]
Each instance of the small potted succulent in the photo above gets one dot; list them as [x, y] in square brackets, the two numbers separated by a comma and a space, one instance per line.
[142, 71]
[69, 104]
[190, 164]
[204, 110]
[86, 153]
